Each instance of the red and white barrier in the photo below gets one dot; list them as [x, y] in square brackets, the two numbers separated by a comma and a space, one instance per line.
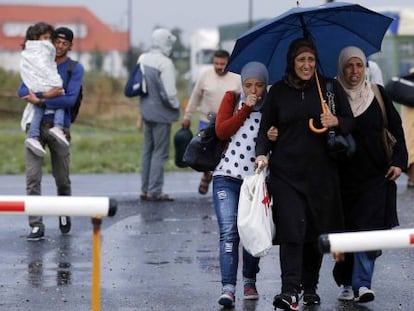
[366, 240]
[57, 205]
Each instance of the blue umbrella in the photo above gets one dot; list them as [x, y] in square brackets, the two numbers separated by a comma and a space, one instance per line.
[331, 27]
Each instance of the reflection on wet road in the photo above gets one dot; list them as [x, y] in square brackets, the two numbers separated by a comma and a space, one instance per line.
[164, 256]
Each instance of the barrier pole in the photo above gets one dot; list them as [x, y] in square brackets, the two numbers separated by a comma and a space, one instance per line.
[37, 205]
[98, 207]
[366, 240]
[96, 243]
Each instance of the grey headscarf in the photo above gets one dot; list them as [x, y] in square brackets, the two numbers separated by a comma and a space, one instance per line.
[255, 70]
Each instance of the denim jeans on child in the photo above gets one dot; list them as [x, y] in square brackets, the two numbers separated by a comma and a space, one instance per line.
[226, 191]
[34, 129]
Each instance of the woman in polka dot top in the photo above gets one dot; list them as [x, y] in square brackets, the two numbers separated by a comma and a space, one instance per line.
[238, 121]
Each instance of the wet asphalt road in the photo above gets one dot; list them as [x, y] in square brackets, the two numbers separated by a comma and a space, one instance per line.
[159, 256]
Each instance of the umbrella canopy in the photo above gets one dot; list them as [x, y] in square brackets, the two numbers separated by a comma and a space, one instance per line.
[331, 27]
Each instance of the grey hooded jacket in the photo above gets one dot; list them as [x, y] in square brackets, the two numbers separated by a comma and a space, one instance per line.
[161, 105]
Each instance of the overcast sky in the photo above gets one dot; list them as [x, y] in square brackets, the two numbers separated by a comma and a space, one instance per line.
[189, 15]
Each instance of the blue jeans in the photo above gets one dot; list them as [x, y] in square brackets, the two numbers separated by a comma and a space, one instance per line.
[226, 191]
[363, 270]
[34, 129]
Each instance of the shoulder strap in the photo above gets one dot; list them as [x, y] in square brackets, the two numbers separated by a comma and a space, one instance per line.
[72, 64]
[330, 95]
[236, 96]
[329, 86]
[378, 96]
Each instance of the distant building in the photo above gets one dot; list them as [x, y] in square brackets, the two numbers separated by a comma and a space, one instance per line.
[92, 36]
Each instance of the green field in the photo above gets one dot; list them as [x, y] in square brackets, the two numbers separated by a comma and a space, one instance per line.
[105, 137]
[108, 149]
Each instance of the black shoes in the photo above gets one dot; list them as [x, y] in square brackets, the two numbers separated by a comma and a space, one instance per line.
[286, 301]
[64, 224]
[290, 301]
[36, 234]
[311, 299]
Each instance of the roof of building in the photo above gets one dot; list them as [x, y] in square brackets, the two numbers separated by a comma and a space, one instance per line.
[90, 32]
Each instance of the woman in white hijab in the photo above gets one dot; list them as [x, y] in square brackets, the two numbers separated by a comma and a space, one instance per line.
[368, 179]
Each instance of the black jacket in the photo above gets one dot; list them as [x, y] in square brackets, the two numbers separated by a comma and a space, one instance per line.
[304, 180]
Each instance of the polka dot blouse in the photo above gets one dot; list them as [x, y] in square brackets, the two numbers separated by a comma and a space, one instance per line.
[238, 160]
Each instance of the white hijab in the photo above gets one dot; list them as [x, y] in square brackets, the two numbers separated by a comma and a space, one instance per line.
[361, 95]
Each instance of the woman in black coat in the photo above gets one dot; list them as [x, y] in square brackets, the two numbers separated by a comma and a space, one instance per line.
[304, 181]
[368, 185]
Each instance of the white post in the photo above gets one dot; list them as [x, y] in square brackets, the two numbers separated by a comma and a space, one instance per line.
[57, 205]
[366, 240]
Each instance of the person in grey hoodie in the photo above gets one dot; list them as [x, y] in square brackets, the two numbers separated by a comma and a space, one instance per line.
[159, 109]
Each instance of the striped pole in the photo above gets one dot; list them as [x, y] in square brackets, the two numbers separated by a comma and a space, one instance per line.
[366, 240]
[36, 205]
[95, 207]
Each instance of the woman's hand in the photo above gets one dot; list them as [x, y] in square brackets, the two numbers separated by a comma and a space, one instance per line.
[252, 99]
[328, 119]
[261, 162]
[393, 173]
[272, 133]
[337, 257]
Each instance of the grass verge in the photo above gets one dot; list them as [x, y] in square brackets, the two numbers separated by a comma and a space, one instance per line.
[102, 147]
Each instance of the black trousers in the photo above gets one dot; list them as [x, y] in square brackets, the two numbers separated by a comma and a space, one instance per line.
[300, 265]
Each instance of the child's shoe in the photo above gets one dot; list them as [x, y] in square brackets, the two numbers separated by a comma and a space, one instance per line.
[35, 146]
[59, 135]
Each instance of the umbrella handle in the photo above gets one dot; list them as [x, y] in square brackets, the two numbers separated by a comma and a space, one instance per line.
[323, 106]
[316, 130]
[312, 127]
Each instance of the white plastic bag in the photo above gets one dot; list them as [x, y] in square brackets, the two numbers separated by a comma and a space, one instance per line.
[254, 217]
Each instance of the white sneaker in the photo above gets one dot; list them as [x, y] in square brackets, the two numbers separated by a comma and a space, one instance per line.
[59, 135]
[365, 295]
[346, 293]
[35, 146]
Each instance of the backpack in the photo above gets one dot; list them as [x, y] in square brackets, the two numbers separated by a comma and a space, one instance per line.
[136, 85]
[75, 108]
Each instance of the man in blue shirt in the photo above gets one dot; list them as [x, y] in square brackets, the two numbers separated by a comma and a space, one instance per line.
[59, 153]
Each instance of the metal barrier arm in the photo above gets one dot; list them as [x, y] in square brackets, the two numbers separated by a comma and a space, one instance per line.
[95, 207]
[366, 240]
[57, 205]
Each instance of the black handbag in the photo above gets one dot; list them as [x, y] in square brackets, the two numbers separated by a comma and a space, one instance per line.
[181, 140]
[340, 146]
[205, 149]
